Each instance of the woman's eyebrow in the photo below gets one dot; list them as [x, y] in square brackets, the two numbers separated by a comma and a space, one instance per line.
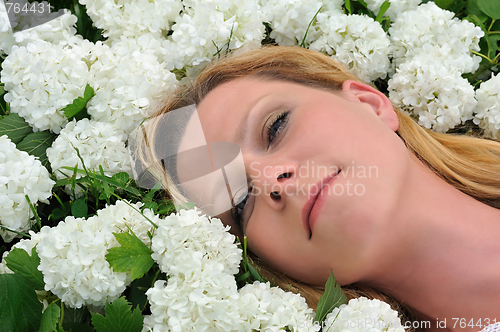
[243, 125]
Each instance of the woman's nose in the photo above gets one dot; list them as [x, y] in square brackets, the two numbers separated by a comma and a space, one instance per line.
[274, 182]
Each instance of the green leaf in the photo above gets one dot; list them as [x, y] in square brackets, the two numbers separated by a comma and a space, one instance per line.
[118, 318]
[473, 9]
[333, 298]
[121, 177]
[348, 6]
[132, 256]
[490, 8]
[79, 208]
[22, 264]
[444, 4]
[36, 144]
[14, 127]
[382, 10]
[75, 109]
[20, 310]
[50, 318]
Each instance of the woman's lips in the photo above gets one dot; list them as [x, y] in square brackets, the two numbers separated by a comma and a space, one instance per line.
[315, 201]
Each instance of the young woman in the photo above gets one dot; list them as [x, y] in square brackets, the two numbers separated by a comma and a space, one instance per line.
[339, 180]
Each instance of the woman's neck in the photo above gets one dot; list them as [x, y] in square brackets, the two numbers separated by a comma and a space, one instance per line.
[443, 256]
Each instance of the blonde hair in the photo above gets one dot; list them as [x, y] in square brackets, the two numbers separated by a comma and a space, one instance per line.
[470, 164]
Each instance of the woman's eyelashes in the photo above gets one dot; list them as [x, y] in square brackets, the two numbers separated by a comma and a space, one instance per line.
[238, 210]
[276, 127]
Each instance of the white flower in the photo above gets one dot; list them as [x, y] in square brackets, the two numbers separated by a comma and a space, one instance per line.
[72, 255]
[432, 26]
[396, 7]
[436, 94]
[132, 17]
[57, 30]
[361, 315]
[20, 174]
[41, 79]
[289, 20]
[267, 308]
[358, 42]
[487, 111]
[98, 144]
[125, 83]
[207, 28]
[187, 241]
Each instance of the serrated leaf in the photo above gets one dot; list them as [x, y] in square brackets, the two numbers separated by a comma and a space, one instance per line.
[490, 8]
[333, 298]
[79, 208]
[14, 127]
[50, 318]
[118, 318]
[132, 256]
[20, 310]
[36, 145]
[73, 109]
[473, 10]
[22, 264]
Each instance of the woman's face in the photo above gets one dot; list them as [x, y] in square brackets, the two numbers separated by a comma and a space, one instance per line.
[325, 170]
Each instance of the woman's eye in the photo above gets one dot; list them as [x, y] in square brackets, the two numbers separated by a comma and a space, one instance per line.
[238, 209]
[276, 126]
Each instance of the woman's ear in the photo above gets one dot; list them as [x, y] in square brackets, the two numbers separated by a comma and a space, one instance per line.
[380, 104]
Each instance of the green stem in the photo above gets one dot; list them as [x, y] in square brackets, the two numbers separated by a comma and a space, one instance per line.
[13, 231]
[482, 55]
[32, 208]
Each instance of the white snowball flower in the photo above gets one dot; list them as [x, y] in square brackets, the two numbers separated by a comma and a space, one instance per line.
[434, 93]
[72, 255]
[264, 308]
[20, 174]
[432, 26]
[289, 20]
[396, 7]
[132, 17]
[361, 315]
[41, 79]
[208, 27]
[56, 31]
[358, 42]
[125, 83]
[188, 240]
[487, 111]
[98, 144]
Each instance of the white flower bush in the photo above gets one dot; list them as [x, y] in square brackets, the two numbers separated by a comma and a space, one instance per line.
[487, 112]
[20, 175]
[56, 31]
[356, 41]
[98, 143]
[41, 79]
[72, 255]
[429, 25]
[362, 314]
[435, 93]
[125, 85]
[205, 27]
[132, 18]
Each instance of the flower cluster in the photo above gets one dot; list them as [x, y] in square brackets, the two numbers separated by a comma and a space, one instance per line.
[72, 254]
[41, 79]
[487, 113]
[361, 315]
[125, 82]
[58, 30]
[98, 143]
[20, 175]
[396, 7]
[132, 18]
[205, 28]
[201, 258]
[356, 41]
[432, 51]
